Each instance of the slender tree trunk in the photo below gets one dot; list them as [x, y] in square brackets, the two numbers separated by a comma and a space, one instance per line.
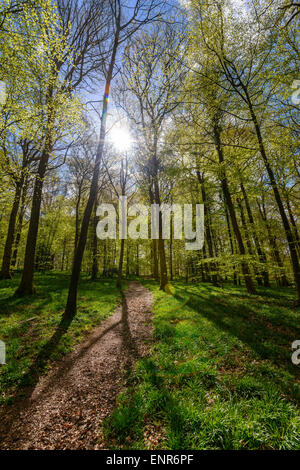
[186, 271]
[207, 277]
[231, 244]
[137, 265]
[293, 222]
[127, 260]
[276, 255]
[95, 246]
[6, 262]
[70, 310]
[248, 241]
[160, 241]
[260, 252]
[155, 259]
[26, 286]
[285, 222]
[104, 256]
[207, 228]
[171, 251]
[123, 177]
[154, 243]
[200, 259]
[19, 227]
[63, 254]
[120, 270]
[228, 200]
[77, 224]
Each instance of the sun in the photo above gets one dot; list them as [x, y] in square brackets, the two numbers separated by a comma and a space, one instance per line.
[121, 138]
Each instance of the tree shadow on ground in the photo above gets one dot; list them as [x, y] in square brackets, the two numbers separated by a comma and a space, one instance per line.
[269, 336]
[47, 285]
[9, 305]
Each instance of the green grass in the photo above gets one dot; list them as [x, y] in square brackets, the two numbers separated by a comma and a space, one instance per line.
[220, 374]
[27, 324]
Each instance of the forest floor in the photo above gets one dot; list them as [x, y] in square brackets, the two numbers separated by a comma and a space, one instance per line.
[64, 409]
[210, 369]
[29, 325]
[220, 375]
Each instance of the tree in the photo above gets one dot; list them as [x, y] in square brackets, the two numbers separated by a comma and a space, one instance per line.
[242, 71]
[20, 173]
[68, 52]
[152, 75]
[140, 14]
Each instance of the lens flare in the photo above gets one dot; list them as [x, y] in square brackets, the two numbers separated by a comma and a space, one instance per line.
[121, 138]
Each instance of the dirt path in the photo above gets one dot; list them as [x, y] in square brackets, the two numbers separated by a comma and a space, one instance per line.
[66, 407]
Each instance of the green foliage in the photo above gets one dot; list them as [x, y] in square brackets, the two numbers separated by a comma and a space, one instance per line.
[33, 49]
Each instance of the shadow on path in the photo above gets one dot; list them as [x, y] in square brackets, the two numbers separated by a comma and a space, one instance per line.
[64, 409]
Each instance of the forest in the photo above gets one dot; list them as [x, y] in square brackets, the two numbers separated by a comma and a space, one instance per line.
[134, 341]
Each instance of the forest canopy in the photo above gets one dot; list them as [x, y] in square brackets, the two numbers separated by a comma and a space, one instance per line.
[149, 227]
[187, 103]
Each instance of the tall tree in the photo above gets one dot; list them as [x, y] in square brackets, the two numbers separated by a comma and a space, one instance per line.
[122, 28]
[153, 76]
[69, 54]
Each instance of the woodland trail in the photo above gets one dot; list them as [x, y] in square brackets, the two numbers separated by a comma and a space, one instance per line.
[66, 407]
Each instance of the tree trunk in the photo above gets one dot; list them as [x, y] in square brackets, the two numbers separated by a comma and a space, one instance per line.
[171, 251]
[209, 240]
[19, 228]
[293, 222]
[248, 241]
[161, 246]
[63, 254]
[77, 224]
[206, 269]
[6, 262]
[26, 286]
[137, 265]
[120, 270]
[104, 257]
[261, 254]
[154, 243]
[285, 222]
[276, 255]
[127, 260]
[95, 246]
[160, 242]
[70, 310]
[228, 200]
[231, 244]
